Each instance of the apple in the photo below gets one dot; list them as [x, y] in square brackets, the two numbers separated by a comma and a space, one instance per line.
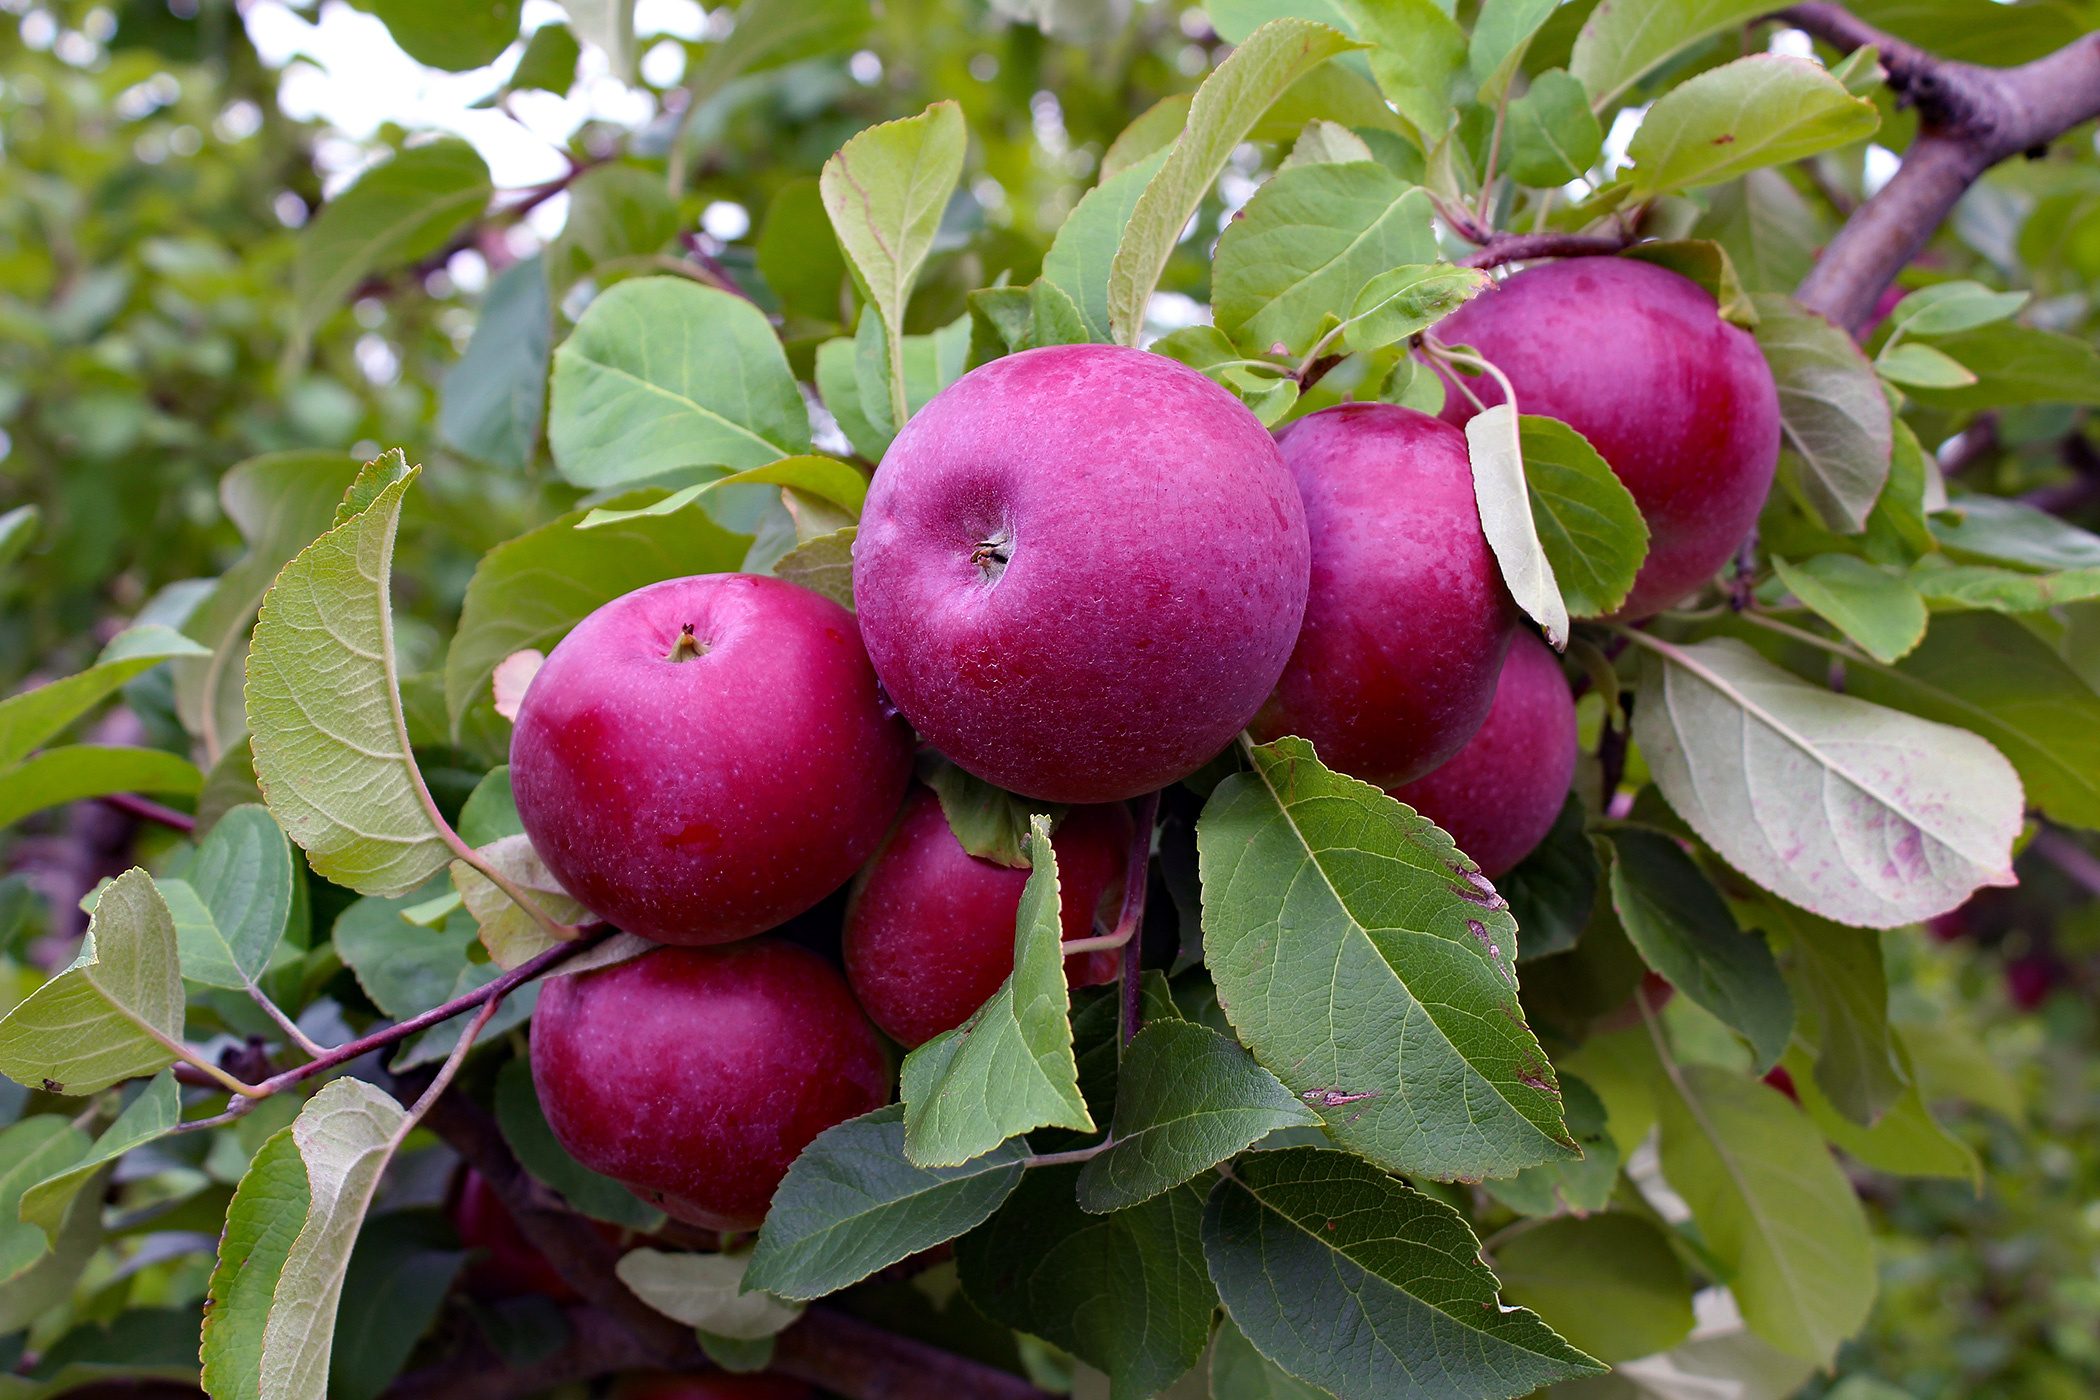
[1638, 360]
[711, 1385]
[707, 757]
[1080, 571]
[1499, 795]
[696, 1075]
[1408, 617]
[930, 927]
[512, 1264]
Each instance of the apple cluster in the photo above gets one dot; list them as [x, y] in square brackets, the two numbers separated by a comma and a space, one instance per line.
[1081, 572]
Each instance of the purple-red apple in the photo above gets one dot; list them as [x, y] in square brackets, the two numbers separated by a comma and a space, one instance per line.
[711, 1385]
[512, 1265]
[1499, 795]
[1408, 617]
[705, 758]
[930, 929]
[1638, 360]
[1080, 571]
[696, 1075]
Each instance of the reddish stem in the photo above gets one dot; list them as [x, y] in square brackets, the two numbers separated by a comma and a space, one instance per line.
[1136, 880]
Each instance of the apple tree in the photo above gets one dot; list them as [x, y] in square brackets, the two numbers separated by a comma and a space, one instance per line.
[1291, 699]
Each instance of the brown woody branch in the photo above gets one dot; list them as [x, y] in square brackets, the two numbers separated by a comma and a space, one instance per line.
[1969, 119]
[1503, 248]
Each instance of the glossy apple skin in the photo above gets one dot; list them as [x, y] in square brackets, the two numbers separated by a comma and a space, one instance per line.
[930, 929]
[1154, 577]
[712, 1385]
[706, 800]
[1638, 360]
[1499, 795]
[1408, 617]
[696, 1075]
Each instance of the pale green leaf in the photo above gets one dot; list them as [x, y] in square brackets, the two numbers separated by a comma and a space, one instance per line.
[1948, 1062]
[1706, 262]
[1947, 307]
[824, 477]
[989, 822]
[1324, 142]
[1365, 962]
[30, 1152]
[1084, 251]
[1502, 32]
[1837, 977]
[1494, 443]
[610, 25]
[1009, 1068]
[2001, 590]
[74, 771]
[1771, 232]
[773, 33]
[1267, 388]
[852, 1204]
[661, 373]
[452, 37]
[489, 403]
[153, 1114]
[1619, 43]
[705, 1291]
[30, 718]
[549, 61]
[1833, 415]
[1187, 1098]
[2017, 364]
[1998, 530]
[267, 1213]
[243, 875]
[1419, 53]
[1358, 1283]
[1766, 109]
[329, 738]
[1879, 610]
[1772, 1206]
[1906, 1140]
[1549, 135]
[346, 1134]
[1555, 1188]
[116, 1012]
[1922, 367]
[1588, 523]
[823, 565]
[1227, 106]
[1399, 301]
[50, 1281]
[1610, 1284]
[511, 934]
[1861, 814]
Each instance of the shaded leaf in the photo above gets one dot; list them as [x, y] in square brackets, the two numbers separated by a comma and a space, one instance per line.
[823, 565]
[1879, 610]
[524, 1126]
[31, 1151]
[1587, 521]
[399, 1273]
[1997, 530]
[1834, 418]
[1419, 52]
[489, 404]
[243, 875]
[1837, 977]
[34, 716]
[1610, 1284]
[1552, 889]
[706, 1291]
[2016, 364]
[1706, 262]
[1947, 307]
[1906, 1140]
[990, 822]
[74, 771]
[1618, 44]
[151, 1115]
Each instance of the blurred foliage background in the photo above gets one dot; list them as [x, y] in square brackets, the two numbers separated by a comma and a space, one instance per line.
[152, 189]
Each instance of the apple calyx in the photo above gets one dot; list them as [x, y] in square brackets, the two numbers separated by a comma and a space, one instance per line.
[687, 647]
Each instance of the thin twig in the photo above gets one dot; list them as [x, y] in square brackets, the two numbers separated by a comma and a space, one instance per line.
[131, 804]
[1137, 875]
[1503, 248]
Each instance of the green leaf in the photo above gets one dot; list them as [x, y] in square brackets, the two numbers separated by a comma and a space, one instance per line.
[1772, 1206]
[153, 1114]
[1083, 254]
[1326, 142]
[1879, 610]
[824, 477]
[1396, 303]
[663, 373]
[1226, 107]
[1551, 891]
[1771, 234]
[1705, 261]
[1587, 521]
[452, 37]
[1419, 53]
[1004, 320]
[1239, 1372]
[18, 530]
[326, 728]
[1126, 1293]
[1306, 245]
[1837, 977]
[931, 363]
[116, 1012]
[528, 592]
[30, 718]
[990, 822]
[267, 1213]
[399, 1274]
[549, 61]
[610, 25]
[1861, 814]
[346, 1134]
[49, 1282]
[852, 1204]
[489, 403]
[1990, 675]
[617, 212]
[1366, 964]
[1947, 307]
[885, 191]
[281, 503]
[823, 565]
[1906, 1140]
[1353, 1280]
[1921, 366]
[524, 1126]
[1996, 530]
[1265, 387]
[1554, 1188]
[243, 875]
[1620, 43]
[1682, 927]
[1187, 1098]
[1009, 1068]
[1549, 135]
[1494, 443]
[1610, 1284]
[706, 1291]
[407, 970]
[1766, 109]
[2017, 365]
[2002, 590]
[1834, 418]
[30, 1152]
[1501, 34]
[800, 257]
[773, 33]
[405, 209]
[73, 771]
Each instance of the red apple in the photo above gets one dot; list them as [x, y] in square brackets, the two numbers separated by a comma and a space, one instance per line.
[705, 758]
[1080, 571]
[696, 1075]
[711, 1385]
[1498, 797]
[930, 929]
[1408, 617]
[1638, 360]
[512, 1266]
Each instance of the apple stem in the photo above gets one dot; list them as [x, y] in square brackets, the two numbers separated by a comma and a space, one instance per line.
[1135, 880]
